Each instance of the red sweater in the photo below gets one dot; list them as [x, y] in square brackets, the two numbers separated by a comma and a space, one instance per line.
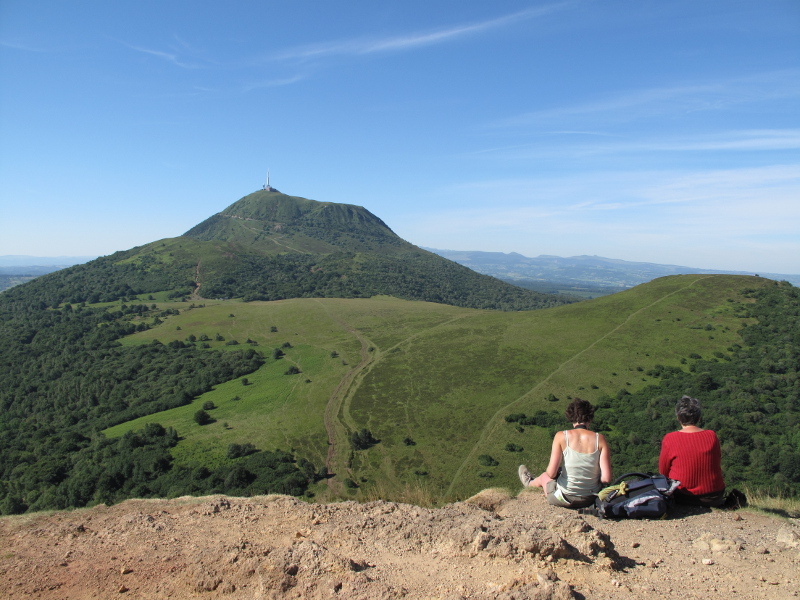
[694, 460]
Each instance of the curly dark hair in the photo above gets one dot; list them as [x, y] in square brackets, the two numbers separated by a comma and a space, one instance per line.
[579, 411]
[688, 411]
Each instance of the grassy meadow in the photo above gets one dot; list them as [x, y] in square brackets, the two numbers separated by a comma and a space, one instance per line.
[432, 382]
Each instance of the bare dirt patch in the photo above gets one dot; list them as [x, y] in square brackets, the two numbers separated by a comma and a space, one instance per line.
[490, 547]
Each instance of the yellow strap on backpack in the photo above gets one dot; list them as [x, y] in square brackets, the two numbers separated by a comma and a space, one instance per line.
[621, 489]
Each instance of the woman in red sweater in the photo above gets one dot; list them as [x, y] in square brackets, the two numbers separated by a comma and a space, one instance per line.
[692, 456]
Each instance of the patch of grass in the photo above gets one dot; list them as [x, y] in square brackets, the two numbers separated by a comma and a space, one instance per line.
[765, 501]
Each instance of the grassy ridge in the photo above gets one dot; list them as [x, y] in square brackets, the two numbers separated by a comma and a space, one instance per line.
[442, 376]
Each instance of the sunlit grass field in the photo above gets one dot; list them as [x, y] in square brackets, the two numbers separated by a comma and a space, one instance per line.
[433, 382]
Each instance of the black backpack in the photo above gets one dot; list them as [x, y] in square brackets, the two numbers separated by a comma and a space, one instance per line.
[643, 497]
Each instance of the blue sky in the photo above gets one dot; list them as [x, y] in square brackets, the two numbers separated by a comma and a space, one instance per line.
[643, 130]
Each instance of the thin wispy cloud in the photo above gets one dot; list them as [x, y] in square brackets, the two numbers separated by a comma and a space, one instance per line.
[413, 40]
[686, 98]
[23, 46]
[769, 139]
[743, 196]
[272, 83]
[757, 140]
[596, 145]
[173, 57]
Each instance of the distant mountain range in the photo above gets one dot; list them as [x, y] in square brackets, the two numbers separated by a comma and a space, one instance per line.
[575, 272]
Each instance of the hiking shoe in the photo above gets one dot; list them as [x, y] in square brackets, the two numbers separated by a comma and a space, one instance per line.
[524, 475]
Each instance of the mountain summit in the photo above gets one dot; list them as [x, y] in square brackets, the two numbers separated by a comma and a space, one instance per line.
[274, 223]
[272, 246]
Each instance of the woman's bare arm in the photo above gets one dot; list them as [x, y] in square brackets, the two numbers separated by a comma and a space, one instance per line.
[555, 455]
[605, 462]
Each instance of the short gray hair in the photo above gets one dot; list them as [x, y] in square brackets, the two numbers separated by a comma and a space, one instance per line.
[688, 411]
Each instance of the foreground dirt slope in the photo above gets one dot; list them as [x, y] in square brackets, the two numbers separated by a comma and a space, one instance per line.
[491, 546]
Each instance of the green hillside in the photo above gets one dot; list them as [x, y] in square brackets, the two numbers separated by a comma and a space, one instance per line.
[380, 397]
[435, 383]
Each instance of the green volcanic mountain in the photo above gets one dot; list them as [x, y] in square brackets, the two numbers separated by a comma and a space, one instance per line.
[270, 246]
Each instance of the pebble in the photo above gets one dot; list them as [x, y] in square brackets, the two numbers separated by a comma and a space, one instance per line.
[708, 561]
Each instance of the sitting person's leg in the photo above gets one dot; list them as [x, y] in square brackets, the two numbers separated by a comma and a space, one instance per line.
[712, 500]
[528, 481]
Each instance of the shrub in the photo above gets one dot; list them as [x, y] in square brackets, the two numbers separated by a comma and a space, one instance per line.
[201, 417]
[208, 405]
[238, 477]
[293, 370]
[511, 447]
[487, 461]
[362, 439]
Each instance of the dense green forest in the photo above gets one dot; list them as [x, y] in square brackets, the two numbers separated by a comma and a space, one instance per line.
[65, 377]
[750, 397]
[414, 276]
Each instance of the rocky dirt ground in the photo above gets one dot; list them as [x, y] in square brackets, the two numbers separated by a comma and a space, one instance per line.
[492, 546]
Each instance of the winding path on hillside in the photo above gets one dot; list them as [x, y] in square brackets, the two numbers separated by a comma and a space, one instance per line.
[338, 446]
[196, 290]
[337, 418]
[494, 422]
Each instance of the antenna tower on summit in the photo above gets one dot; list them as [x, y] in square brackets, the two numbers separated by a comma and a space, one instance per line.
[267, 187]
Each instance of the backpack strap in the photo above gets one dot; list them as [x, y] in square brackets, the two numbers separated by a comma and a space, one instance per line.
[621, 478]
